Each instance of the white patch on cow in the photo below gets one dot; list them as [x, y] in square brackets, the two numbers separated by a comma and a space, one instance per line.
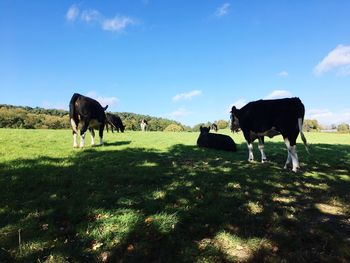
[74, 125]
[289, 159]
[92, 140]
[250, 152]
[82, 140]
[292, 156]
[92, 133]
[261, 148]
[101, 141]
[75, 143]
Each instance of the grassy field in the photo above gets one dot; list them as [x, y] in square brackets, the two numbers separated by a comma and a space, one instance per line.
[156, 197]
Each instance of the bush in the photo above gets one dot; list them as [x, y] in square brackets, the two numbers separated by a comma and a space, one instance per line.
[222, 124]
[311, 125]
[343, 127]
[174, 128]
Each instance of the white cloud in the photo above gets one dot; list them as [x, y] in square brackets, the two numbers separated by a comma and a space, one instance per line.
[110, 101]
[222, 10]
[278, 94]
[72, 13]
[181, 112]
[283, 74]
[187, 96]
[90, 15]
[338, 58]
[328, 117]
[117, 23]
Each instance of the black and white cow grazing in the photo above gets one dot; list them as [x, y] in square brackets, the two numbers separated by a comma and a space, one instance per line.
[144, 125]
[90, 113]
[215, 141]
[214, 127]
[115, 122]
[269, 118]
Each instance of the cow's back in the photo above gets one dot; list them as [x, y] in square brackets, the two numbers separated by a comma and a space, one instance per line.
[261, 115]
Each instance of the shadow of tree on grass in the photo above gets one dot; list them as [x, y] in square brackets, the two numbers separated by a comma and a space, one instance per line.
[183, 205]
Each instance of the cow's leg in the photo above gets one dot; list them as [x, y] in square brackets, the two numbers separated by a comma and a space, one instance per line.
[75, 143]
[100, 133]
[292, 155]
[261, 148]
[250, 151]
[92, 132]
[75, 132]
[83, 133]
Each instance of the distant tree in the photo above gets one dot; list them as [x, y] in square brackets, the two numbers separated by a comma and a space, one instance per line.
[197, 126]
[222, 124]
[174, 128]
[311, 125]
[343, 127]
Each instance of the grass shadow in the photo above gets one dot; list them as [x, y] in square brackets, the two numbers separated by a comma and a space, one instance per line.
[183, 205]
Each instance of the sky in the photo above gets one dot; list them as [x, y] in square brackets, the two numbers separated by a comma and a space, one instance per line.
[189, 61]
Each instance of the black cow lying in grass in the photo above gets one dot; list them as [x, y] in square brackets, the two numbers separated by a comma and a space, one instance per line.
[115, 122]
[215, 141]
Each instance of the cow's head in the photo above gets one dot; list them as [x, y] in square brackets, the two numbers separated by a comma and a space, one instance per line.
[234, 124]
[204, 129]
[122, 128]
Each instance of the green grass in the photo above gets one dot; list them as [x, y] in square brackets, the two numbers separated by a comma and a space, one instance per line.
[155, 196]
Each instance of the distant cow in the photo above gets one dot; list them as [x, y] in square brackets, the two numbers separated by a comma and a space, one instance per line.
[90, 113]
[214, 127]
[144, 125]
[215, 141]
[270, 118]
[115, 122]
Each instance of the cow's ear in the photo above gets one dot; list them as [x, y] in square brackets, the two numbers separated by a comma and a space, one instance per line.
[201, 128]
[234, 110]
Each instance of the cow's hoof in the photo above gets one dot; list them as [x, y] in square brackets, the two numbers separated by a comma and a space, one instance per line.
[264, 161]
[250, 160]
[75, 146]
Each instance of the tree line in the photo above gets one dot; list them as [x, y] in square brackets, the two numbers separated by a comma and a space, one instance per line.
[39, 118]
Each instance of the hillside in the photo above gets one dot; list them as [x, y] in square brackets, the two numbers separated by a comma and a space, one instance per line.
[40, 118]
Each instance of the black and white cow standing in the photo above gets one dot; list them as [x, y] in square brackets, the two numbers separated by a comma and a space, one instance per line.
[91, 115]
[270, 118]
[144, 125]
[115, 122]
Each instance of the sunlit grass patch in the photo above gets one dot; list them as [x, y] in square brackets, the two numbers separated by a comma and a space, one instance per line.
[162, 222]
[329, 209]
[229, 247]
[254, 208]
[110, 228]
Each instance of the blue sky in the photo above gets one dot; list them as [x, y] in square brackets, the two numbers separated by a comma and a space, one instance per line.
[184, 60]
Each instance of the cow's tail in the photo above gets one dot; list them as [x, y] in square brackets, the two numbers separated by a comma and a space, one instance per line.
[300, 124]
[72, 113]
